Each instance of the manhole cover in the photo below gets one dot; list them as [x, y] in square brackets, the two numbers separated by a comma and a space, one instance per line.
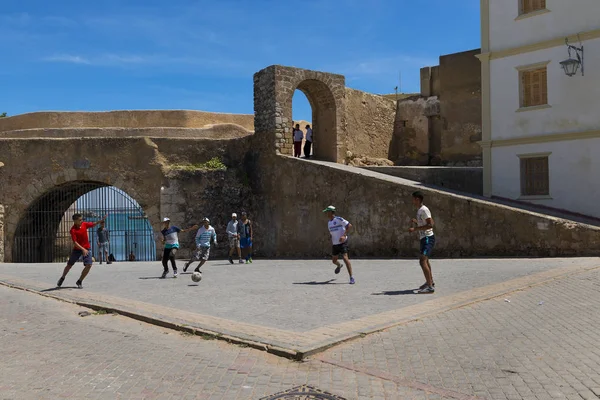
[303, 393]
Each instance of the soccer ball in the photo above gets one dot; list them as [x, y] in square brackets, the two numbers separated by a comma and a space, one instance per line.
[197, 276]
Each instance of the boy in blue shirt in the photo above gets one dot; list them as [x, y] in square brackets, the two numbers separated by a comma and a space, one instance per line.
[171, 241]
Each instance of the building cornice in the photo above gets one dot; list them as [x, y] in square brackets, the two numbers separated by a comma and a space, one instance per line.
[548, 138]
[546, 44]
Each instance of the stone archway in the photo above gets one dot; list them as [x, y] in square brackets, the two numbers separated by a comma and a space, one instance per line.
[34, 168]
[42, 233]
[274, 88]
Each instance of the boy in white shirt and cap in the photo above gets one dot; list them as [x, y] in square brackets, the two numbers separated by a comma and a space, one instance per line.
[338, 229]
[204, 236]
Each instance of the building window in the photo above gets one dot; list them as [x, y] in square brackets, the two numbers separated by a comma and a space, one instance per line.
[534, 87]
[529, 6]
[535, 177]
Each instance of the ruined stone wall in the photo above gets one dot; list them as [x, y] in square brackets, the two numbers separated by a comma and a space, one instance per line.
[460, 102]
[410, 141]
[443, 125]
[124, 119]
[369, 123]
[294, 225]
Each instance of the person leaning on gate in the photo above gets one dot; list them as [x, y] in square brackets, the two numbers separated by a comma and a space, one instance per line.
[102, 242]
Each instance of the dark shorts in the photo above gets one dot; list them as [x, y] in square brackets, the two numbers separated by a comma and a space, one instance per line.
[339, 249]
[245, 242]
[427, 245]
[77, 254]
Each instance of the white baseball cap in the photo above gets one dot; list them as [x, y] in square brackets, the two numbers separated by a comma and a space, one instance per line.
[206, 219]
[234, 215]
[166, 219]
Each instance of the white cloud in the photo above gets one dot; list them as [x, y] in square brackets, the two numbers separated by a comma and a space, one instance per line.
[383, 65]
[148, 60]
[66, 58]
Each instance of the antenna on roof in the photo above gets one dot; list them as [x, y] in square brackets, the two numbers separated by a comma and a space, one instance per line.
[400, 81]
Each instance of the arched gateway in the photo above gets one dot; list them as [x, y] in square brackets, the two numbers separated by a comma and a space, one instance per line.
[43, 231]
[273, 91]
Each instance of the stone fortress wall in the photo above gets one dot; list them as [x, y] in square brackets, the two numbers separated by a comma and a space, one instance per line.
[169, 175]
[124, 119]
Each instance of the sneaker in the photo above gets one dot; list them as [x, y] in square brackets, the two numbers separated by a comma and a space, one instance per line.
[423, 286]
[60, 282]
[197, 270]
[186, 266]
[108, 262]
[338, 268]
[175, 273]
[230, 260]
[426, 290]
[241, 261]
[250, 259]
[100, 262]
[247, 261]
[79, 285]
[352, 282]
[164, 275]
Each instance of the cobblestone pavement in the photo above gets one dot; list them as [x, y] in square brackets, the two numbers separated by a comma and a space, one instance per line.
[537, 344]
[49, 352]
[280, 306]
[283, 290]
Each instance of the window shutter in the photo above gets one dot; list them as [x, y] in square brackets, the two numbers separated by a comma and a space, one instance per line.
[543, 86]
[526, 82]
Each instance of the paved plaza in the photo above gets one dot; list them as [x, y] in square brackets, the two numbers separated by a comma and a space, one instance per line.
[536, 342]
[291, 307]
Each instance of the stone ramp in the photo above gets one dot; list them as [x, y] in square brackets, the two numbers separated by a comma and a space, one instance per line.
[466, 173]
[470, 226]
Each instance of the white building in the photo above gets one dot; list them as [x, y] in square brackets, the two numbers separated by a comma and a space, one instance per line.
[541, 128]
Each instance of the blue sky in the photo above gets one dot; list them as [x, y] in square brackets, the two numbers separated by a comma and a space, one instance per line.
[69, 55]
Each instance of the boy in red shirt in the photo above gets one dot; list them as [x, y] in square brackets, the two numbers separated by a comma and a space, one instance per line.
[81, 248]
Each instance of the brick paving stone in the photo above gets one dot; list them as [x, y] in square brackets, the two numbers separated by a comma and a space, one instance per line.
[543, 344]
[278, 284]
[50, 352]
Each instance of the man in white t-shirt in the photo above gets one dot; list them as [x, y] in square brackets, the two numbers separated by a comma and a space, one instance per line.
[424, 225]
[338, 229]
[308, 141]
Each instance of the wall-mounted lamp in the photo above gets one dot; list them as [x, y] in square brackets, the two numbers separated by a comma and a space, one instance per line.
[570, 65]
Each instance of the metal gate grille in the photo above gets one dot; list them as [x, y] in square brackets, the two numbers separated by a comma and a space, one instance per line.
[43, 233]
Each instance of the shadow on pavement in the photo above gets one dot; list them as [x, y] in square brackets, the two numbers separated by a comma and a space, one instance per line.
[150, 277]
[329, 282]
[58, 288]
[395, 292]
